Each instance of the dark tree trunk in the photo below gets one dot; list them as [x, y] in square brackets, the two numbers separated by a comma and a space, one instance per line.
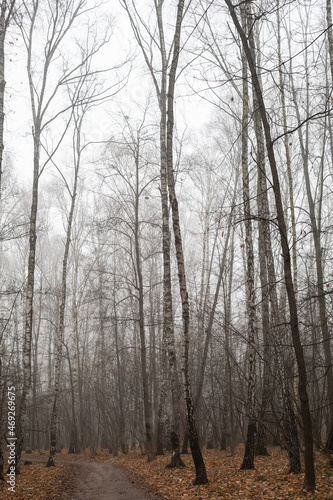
[250, 446]
[309, 481]
[185, 443]
[176, 461]
[201, 475]
[291, 437]
[261, 445]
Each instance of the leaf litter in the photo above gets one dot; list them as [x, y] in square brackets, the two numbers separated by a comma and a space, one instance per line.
[270, 479]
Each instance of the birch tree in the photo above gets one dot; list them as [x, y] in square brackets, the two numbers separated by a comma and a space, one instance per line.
[60, 17]
[160, 85]
[309, 481]
[6, 11]
[85, 93]
[329, 442]
[315, 216]
[201, 475]
[248, 461]
[78, 117]
[5, 15]
[128, 160]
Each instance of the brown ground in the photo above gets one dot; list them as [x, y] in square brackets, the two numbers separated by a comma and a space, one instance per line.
[269, 480]
[100, 481]
[96, 475]
[76, 480]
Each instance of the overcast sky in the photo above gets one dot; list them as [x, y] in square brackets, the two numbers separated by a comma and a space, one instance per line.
[192, 111]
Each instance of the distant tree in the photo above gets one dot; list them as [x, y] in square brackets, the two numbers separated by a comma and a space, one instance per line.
[60, 17]
[159, 74]
[5, 16]
[6, 13]
[79, 111]
[128, 160]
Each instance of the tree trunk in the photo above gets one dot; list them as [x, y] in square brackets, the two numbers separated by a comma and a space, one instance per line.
[122, 421]
[163, 397]
[248, 460]
[228, 343]
[2, 117]
[330, 34]
[2, 84]
[291, 434]
[201, 475]
[309, 481]
[288, 160]
[261, 446]
[74, 432]
[266, 256]
[316, 232]
[146, 401]
[28, 313]
[208, 331]
[2, 461]
[61, 326]
[59, 25]
[168, 325]
[264, 246]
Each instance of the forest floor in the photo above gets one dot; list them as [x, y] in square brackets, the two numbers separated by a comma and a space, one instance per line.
[99, 476]
[104, 481]
[76, 477]
[270, 479]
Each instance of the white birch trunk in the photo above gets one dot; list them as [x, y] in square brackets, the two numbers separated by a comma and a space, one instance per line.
[201, 475]
[248, 460]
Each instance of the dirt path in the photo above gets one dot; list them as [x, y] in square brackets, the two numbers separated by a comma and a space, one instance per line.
[99, 481]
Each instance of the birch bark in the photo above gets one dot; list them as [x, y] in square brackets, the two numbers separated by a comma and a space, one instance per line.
[201, 475]
[3, 28]
[248, 460]
[261, 448]
[4, 21]
[168, 324]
